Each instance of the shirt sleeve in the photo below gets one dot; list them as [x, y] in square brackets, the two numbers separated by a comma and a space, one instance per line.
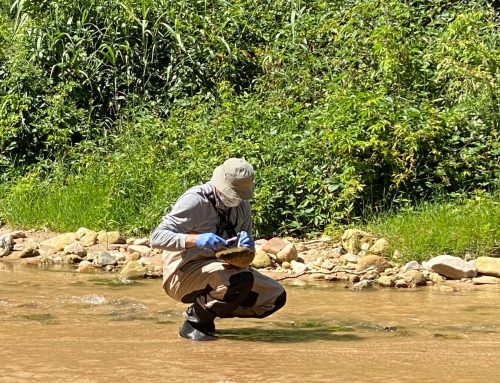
[244, 222]
[172, 232]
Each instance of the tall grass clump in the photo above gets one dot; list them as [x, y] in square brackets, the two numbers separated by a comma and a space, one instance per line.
[468, 228]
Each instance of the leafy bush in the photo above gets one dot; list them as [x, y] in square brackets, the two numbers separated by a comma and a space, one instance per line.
[344, 108]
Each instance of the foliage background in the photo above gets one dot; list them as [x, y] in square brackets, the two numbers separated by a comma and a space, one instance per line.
[110, 109]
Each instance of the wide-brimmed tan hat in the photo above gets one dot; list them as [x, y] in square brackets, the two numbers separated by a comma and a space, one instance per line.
[234, 178]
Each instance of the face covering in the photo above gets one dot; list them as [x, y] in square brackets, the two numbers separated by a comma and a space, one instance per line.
[228, 201]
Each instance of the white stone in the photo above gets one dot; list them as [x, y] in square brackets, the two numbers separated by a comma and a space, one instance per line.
[451, 267]
[298, 267]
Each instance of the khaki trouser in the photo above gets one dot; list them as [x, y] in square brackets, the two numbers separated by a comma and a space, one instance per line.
[215, 285]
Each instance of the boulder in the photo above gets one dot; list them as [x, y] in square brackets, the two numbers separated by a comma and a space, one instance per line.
[60, 241]
[29, 252]
[6, 245]
[451, 267]
[371, 275]
[380, 247]
[103, 259]
[85, 267]
[110, 237]
[86, 237]
[488, 266]
[328, 264]
[141, 249]
[353, 239]
[261, 260]
[75, 248]
[414, 278]
[485, 280]
[287, 254]
[386, 281]
[372, 260]
[350, 257]
[132, 270]
[361, 285]
[274, 245]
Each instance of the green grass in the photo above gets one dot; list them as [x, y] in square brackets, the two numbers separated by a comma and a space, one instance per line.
[465, 228]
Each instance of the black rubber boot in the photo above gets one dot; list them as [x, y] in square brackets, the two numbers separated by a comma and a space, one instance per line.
[199, 325]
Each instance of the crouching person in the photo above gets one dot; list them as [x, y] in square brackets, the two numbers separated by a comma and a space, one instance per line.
[204, 220]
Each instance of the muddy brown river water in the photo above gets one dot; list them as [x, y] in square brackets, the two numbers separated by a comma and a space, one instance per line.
[71, 327]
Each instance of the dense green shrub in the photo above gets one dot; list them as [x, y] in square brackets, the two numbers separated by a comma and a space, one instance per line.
[344, 108]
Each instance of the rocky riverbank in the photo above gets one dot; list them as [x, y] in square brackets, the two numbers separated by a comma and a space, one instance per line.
[358, 259]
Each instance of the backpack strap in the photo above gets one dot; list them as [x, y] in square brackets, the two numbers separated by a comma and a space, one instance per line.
[225, 228]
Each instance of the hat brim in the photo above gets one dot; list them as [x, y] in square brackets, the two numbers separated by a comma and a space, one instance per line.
[244, 191]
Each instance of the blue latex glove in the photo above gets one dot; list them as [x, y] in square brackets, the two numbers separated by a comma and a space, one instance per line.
[245, 240]
[210, 241]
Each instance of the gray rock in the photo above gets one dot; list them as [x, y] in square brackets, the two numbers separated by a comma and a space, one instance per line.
[6, 245]
[29, 252]
[103, 259]
[364, 284]
[338, 251]
[451, 267]
[371, 275]
[75, 248]
[386, 281]
[414, 278]
[327, 264]
[412, 265]
[350, 257]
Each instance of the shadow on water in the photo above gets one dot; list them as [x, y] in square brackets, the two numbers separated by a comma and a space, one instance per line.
[283, 335]
[291, 331]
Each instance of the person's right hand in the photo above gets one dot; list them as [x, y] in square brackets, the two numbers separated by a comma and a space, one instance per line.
[210, 241]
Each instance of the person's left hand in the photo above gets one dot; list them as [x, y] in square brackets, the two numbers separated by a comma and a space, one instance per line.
[245, 240]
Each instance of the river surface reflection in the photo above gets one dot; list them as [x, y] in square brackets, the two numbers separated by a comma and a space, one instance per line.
[71, 327]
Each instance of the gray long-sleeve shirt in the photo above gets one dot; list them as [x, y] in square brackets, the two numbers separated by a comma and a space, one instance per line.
[193, 213]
